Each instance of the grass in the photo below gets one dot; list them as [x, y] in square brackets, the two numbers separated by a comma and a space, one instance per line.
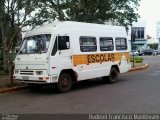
[137, 60]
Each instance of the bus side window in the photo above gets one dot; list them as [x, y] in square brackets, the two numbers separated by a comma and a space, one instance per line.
[54, 51]
[121, 43]
[106, 44]
[63, 42]
[88, 44]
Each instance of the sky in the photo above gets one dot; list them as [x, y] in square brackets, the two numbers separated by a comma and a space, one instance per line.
[149, 11]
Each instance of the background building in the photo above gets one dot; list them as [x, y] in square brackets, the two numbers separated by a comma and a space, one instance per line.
[139, 29]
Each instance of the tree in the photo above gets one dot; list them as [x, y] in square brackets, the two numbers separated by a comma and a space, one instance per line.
[1, 55]
[48, 11]
[124, 11]
[2, 4]
[74, 10]
[0, 41]
[13, 17]
[119, 12]
[153, 46]
[91, 11]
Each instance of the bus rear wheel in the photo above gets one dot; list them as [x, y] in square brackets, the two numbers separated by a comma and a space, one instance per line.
[64, 83]
[113, 76]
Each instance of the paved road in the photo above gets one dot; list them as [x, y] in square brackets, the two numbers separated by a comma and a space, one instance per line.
[136, 92]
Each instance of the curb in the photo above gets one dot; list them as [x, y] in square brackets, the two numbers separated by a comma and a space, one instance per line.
[138, 68]
[13, 89]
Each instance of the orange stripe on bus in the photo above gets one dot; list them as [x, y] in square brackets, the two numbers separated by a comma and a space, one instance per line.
[99, 58]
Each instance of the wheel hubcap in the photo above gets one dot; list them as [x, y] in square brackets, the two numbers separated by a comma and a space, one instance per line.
[65, 83]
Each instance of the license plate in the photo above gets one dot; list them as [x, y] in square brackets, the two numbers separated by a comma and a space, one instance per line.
[25, 78]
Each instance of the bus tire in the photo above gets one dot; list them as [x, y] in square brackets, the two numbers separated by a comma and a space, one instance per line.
[113, 76]
[64, 83]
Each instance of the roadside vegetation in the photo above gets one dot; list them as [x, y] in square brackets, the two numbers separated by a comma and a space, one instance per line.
[137, 60]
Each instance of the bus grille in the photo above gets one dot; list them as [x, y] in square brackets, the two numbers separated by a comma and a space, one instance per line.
[29, 72]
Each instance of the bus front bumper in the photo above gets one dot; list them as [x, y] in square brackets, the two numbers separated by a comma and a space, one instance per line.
[36, 79]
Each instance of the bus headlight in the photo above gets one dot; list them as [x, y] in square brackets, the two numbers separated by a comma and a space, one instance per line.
[39, 72]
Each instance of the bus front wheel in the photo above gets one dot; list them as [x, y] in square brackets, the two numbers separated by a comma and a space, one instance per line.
[64, 83]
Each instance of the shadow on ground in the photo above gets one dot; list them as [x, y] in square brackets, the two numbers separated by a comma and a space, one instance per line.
[82, 85]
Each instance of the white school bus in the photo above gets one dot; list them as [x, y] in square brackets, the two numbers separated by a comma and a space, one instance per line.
[69, 52]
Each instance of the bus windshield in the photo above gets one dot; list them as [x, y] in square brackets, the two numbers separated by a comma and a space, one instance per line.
[35, 44]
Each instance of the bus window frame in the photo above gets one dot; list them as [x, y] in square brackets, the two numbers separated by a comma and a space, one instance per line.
[88, 48]
[110, 46]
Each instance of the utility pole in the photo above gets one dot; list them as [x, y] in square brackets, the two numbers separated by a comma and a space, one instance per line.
[132, 45]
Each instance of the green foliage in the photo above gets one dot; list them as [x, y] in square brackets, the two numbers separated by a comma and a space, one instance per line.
[125, 11]
[92, 11]
[119, 12]
[153, 46]
[12, 56]
[137, 60]
[13, 17]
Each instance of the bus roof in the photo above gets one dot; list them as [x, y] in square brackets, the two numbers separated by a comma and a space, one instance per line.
[71, 26]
